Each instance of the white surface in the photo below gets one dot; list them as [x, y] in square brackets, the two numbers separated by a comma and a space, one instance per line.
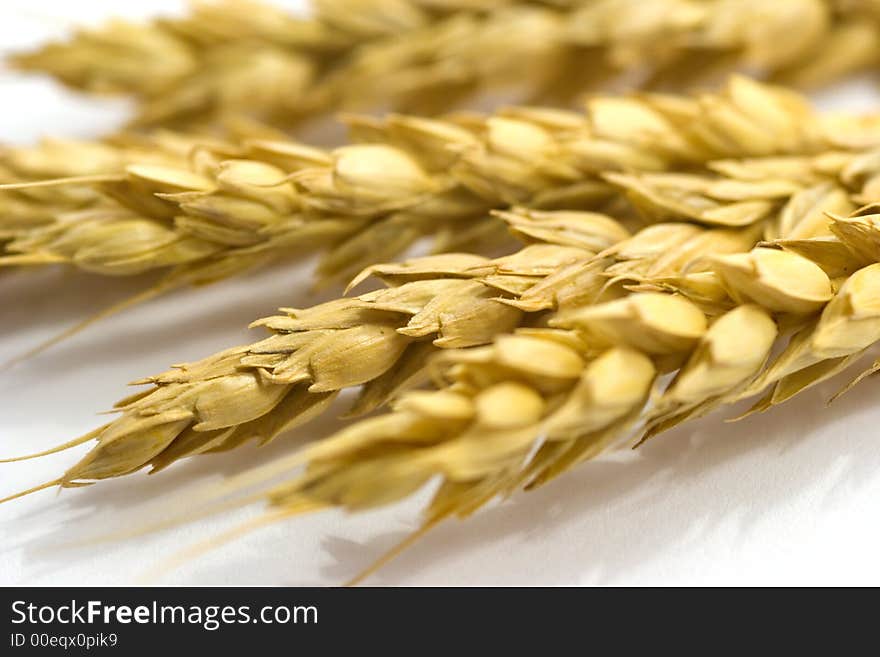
[790, 497]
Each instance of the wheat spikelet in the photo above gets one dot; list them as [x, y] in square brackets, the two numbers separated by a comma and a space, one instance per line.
[30, 208]
[425, 56]
[82, 162]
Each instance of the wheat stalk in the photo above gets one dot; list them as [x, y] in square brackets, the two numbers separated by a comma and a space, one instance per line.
[425, 55]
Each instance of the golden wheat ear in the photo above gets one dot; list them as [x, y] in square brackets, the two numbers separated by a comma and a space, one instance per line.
[499, 402]
[368, 61]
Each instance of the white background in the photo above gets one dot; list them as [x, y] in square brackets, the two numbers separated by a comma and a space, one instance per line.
[790, 497]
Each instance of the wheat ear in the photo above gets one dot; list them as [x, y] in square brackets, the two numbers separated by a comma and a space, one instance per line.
[234, 208]
[532, 405]
[223, 55]
[366, 202]
[425, 56]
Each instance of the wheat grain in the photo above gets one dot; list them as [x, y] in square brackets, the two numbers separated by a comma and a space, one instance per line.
[416, 55]
[848, 325]
[780, 281]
